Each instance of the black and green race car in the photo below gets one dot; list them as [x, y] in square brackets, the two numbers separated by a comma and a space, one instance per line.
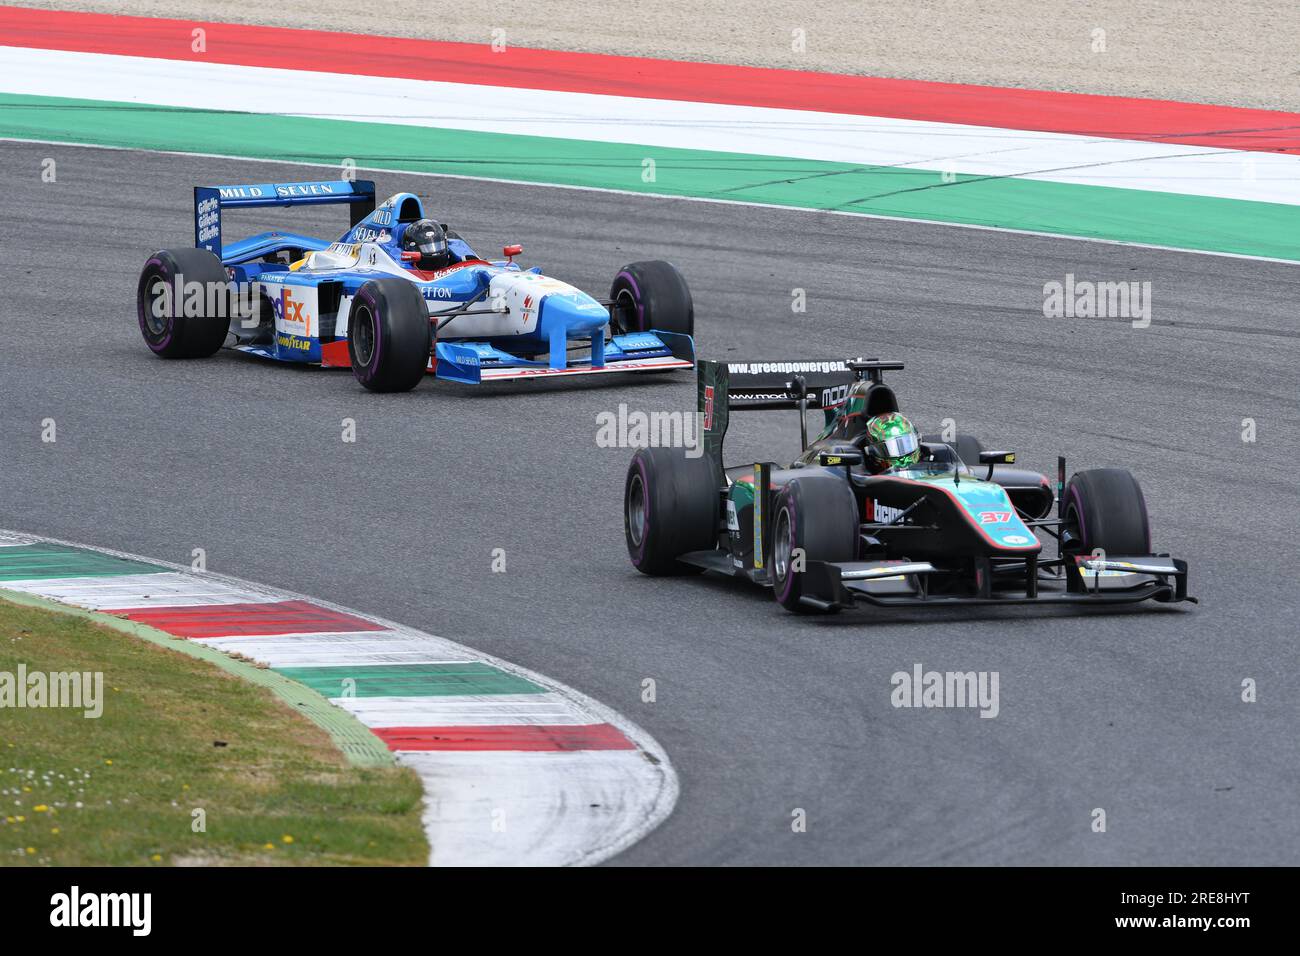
[959, 525]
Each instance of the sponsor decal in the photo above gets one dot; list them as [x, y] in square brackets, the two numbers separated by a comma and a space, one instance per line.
[1015, 539]
[439, 273]
[884, 514]
[209, 213]
[733, 521]
[366, 234]
[381, 217]
[293, 342]
[708, 407]
[436, 292]
[835, 395]
[526, 313]
[304, 189]
[760, 368]
[289, 311]
[241, 192]
[1089, 566]
[619, 366]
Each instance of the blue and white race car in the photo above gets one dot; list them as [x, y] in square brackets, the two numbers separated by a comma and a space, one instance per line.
[397, 295]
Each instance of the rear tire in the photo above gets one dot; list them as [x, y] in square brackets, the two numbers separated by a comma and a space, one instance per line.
[651, 295]
[389, 335]
[1105, 509]
[671, 506]
[167, 330]
[968, 447]
[821, 517]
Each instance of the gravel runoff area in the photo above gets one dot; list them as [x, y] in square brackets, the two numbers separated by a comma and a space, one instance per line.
[1242, 53]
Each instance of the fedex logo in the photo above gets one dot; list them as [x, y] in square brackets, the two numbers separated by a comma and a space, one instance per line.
[994, 517]
[288, 311]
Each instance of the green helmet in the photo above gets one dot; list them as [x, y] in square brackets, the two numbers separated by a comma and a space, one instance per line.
[893, 441]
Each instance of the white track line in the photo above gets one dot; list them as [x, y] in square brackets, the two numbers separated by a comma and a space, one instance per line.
[497, 808]
[774, 207]
[674, 124]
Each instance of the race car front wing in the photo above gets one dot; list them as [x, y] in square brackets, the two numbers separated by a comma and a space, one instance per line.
[477, 362]
[1084, 579]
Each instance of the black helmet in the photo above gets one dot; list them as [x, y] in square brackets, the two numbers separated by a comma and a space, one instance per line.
[429, 239]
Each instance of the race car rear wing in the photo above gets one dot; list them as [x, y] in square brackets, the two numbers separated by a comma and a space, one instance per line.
[760, 386]
[210, 200]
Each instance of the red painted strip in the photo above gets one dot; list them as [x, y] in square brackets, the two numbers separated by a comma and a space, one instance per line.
[335, 355]
[525, 737]
[245, 620]
[1111, 116]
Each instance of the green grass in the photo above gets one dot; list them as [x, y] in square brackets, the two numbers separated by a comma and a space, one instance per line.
[178, 734]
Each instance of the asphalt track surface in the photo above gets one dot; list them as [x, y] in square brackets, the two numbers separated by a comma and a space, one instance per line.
[1136, 712]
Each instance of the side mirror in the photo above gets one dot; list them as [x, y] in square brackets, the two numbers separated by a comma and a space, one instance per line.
[992, 458]
[512, 251]
[840, 459]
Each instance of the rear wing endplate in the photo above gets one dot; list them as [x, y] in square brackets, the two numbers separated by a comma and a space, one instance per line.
[761, 386]
[210, 200]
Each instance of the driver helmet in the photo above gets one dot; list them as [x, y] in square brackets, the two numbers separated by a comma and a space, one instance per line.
[892, 442]
[429, 239]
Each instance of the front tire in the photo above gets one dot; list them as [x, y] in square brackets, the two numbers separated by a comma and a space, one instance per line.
[818, 517]
[167, 330]
[1105, 510]
[671, 506]
[389, 335]
[651, 295]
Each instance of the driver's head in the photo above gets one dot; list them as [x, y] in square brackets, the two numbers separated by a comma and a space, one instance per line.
[429, 239]
[892, 442]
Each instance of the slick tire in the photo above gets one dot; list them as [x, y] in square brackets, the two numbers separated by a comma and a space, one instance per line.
[651, 295]
[815, 516]
[166, 328]
[671, 506]
[968, 447]
[389, 335]
[1105, 509]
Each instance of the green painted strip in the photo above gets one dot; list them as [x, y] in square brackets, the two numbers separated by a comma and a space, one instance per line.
[353, 738]
[35, 561]
[1128, 215]
[410, 680]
